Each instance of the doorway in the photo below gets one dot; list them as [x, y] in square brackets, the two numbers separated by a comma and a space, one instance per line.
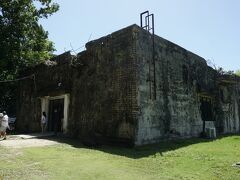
[56, 115]
[56, 107]
[239, 112]
[206, 110]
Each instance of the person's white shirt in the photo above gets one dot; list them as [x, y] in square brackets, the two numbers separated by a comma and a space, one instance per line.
[44, 119]
[5, 121]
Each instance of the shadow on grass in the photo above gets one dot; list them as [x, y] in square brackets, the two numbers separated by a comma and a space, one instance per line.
[137, 152]
[148, 150]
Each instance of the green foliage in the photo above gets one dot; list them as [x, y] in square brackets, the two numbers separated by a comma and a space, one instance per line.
[23, 41]
[237, 72]
[8, 92]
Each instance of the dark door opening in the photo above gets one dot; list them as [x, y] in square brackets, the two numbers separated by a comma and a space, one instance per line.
[239, 112]
[206, 111]
[55, 120]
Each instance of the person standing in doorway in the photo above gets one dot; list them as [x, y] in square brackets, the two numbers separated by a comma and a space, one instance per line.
[43, 121]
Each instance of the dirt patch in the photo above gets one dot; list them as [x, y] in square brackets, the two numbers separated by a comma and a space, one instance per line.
[16, 142]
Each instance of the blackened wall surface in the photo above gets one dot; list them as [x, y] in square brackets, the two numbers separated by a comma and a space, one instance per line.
[28, 108]
[52, 78]
[101, 82]
[111, 90]
[104, 92]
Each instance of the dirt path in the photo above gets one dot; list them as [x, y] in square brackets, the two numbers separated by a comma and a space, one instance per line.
[22, 141]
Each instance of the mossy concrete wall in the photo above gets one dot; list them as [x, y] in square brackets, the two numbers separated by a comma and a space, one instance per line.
[52, 78]
[110, 84]
[228, 106]
[104, 92]
[183, 80]
[101, 83]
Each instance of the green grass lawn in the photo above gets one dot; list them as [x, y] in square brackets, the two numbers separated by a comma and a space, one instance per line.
[183, 159]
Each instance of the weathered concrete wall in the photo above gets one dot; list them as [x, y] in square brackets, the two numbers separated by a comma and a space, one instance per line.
[228, 115]
[183, 80]
[110, 83]
[53, 78]
[104, 93]
[101, 82]
[28, 108]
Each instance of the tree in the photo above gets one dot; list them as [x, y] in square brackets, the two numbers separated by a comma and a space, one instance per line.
[23, 41]
[237, 72]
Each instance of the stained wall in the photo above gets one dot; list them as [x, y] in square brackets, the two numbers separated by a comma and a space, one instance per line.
[111, 91]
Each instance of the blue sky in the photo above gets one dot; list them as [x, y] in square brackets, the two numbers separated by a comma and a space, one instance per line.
[209, 28]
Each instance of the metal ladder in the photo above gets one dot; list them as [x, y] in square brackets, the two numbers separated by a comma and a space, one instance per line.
[147, 23]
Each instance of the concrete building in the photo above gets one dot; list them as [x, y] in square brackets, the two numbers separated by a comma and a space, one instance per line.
[120, 89]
